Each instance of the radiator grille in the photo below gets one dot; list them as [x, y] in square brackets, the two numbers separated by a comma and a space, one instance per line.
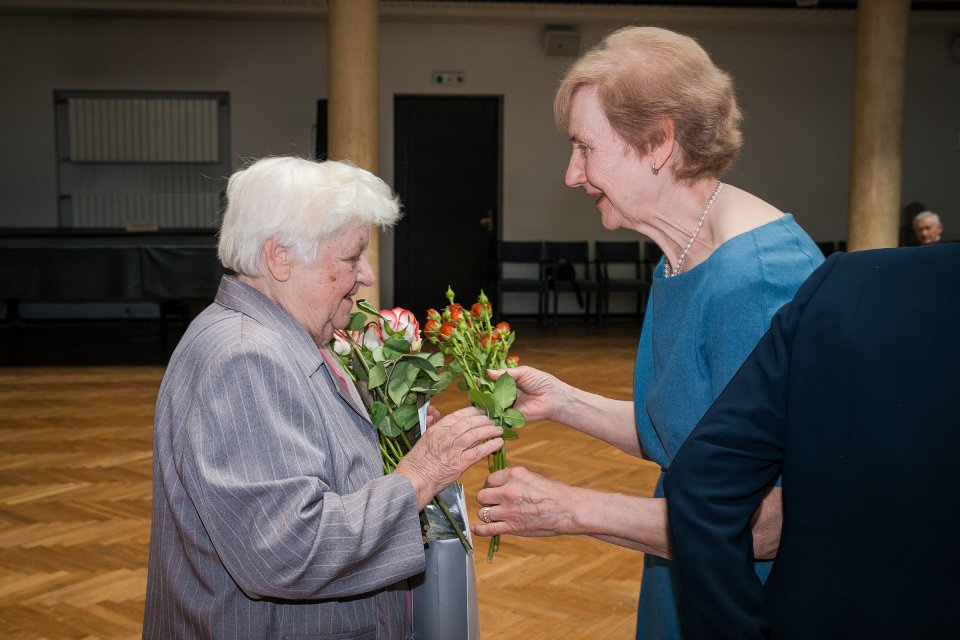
[198, 210]
[143, 130]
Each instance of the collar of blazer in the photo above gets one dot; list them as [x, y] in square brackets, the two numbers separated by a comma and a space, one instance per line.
[345, 387]
[244, 299]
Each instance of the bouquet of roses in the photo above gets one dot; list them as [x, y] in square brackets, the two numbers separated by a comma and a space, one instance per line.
[394, 378]
[474, 345]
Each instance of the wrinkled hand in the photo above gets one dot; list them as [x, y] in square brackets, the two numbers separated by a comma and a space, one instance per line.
[446, 449]
[523, 503]
[539, 394]
[433, 415]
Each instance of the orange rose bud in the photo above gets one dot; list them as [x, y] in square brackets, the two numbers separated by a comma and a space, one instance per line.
[479, 308]
[447, 330]
[513, 361]
[488, 339]
[455, 311]
[503, 328]
[431, 327]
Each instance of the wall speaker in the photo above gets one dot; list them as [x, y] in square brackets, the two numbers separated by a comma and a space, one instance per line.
[561, 43]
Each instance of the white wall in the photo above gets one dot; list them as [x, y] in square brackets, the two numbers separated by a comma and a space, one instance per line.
[793, 77]
[274, 70]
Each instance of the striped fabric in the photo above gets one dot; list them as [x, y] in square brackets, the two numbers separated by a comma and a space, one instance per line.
[271, 514]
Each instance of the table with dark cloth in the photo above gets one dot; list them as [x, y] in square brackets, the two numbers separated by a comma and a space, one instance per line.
[108, 268]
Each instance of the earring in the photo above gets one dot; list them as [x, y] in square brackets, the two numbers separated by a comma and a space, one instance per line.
[653, 168]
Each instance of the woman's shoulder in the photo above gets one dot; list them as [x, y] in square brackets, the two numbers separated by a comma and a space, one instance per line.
[773, 257]
[782, 241]
[228, 339]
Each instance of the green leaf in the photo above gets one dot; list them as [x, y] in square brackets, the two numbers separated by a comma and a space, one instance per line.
[436, 359]
[363, 305]
[360, 371]
[406, 416]
[378, 411]
[445, 379]
[390, 428]
[429, 375]
[395, 348]
[378, 375]
[401, 379]
[514, 419]
[483, 401]
[433, 387]
[377, 354]
[357, 320]
[505, 391]
[420, 362]
[421, 389]
[479, 354]
[509, 434]
[463, 386]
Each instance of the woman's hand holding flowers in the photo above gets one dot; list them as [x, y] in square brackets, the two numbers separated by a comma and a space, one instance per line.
[447, 448]
[540, 396]
[524, 503]
[476, 346]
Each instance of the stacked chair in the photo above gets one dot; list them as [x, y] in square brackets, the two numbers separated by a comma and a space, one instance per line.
[570, 273]
[621, 270]
[522, 268]
[553, 269]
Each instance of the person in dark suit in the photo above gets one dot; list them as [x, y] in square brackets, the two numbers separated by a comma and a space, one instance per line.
[272, 517]
[865, 427]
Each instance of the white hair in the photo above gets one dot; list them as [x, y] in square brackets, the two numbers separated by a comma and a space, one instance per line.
[927, 214]
[299, 202]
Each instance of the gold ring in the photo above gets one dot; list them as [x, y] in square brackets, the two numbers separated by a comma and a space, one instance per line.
[485, 514]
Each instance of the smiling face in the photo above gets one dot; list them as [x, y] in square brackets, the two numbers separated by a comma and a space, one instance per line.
[319, 295]
[608, 169]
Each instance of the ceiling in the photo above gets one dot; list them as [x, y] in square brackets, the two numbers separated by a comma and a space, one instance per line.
[755, 4]
[470, 9]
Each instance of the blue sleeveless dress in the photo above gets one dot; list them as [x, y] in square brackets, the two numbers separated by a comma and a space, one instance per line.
[699, 328]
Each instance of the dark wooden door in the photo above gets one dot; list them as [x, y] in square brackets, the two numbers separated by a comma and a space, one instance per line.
[447, 174]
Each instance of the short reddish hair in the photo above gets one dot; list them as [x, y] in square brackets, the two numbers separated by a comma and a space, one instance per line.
[646, 74]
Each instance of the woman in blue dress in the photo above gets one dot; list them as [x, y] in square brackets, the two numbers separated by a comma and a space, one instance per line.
[653, 125]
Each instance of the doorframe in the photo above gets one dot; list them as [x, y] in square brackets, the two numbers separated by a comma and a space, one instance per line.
[498, 213]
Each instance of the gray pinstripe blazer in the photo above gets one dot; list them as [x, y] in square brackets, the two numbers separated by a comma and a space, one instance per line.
[271, 514]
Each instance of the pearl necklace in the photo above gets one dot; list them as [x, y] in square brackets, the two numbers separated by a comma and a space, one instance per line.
[667, 273]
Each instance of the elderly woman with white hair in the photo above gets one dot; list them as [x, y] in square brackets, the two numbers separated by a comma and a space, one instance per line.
[271, 514]
[653, 125]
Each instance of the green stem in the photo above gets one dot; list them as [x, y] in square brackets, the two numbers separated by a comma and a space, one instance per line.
[396, 450]
[496, 462]
[449, 516]
[390, 450]
[359, 356]
[493, 548]
[391, 443]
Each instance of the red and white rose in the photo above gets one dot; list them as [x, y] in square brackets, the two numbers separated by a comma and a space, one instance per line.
[404, 322]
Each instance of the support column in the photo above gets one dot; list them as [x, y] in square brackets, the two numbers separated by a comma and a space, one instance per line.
[874, 217]
[353, 120]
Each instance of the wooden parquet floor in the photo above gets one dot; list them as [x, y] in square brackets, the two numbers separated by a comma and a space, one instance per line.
[75, 491]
